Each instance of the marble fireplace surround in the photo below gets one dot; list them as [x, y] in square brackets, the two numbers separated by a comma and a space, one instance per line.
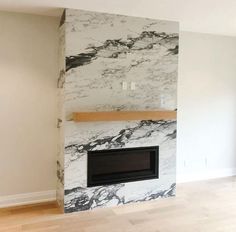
[98, 52]
[98, 136]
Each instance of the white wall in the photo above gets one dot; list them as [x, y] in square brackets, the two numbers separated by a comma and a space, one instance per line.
[28, 73]
[206, 143]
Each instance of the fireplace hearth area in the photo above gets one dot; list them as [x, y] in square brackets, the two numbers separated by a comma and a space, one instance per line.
[117, 90]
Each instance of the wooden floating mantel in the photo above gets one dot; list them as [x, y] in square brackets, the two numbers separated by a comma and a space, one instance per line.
[123, 115]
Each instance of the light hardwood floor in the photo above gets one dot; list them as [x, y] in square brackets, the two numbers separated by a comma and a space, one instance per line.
[199, 207]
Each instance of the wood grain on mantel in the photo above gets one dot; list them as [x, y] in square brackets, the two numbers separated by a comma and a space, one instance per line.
[123, 115]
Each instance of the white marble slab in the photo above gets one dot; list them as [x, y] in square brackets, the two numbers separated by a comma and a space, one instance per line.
[102, 51]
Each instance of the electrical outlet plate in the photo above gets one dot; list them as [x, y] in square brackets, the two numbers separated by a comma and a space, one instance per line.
[124, 85]
[132, 85]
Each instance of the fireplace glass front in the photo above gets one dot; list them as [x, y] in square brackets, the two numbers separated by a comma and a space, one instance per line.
[122, 165]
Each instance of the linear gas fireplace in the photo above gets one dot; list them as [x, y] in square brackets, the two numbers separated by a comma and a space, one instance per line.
[122, 165]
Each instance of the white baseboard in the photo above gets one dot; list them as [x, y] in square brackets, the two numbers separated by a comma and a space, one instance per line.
[206, 175]
[46, 196]
[27, 198]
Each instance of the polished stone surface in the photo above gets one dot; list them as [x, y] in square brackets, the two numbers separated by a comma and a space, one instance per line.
[101, 51]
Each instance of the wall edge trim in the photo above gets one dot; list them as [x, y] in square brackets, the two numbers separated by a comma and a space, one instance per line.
[206, 175]
[50, 195]
[27, 198]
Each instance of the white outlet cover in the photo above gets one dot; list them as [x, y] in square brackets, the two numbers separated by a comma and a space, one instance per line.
[124, 85]
[133, 86]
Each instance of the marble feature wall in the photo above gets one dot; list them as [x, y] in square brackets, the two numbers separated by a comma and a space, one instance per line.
[100, 52]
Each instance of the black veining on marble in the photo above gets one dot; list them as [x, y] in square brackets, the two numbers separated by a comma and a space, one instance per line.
[113, 48]
[119, 72]
[59, 122]
[172, 135]
[174, 51]
[60, 173]
[119, 140]
[63, 18]
[101, 196]
[61, 80]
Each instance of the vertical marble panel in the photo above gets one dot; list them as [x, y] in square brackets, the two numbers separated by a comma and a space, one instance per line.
[102, 51]
[61, 118]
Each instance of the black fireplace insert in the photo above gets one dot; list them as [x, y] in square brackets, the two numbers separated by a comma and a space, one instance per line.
[122, 165]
